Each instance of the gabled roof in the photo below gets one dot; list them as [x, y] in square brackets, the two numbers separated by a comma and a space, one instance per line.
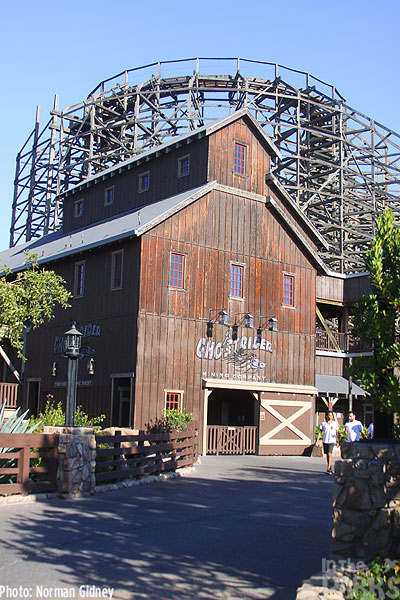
[185, 138]
[133, 224]
[128, 225]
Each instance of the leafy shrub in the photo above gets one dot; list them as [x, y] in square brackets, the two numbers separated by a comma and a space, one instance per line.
[54, 416]
[379, 580]
[171, 420]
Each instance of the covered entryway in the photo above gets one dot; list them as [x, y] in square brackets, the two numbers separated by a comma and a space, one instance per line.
[232, 418]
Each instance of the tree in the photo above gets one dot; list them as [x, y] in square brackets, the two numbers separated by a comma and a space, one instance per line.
[377, 316]
[28, 298]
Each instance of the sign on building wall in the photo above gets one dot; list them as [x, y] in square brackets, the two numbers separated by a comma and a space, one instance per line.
[243, 358]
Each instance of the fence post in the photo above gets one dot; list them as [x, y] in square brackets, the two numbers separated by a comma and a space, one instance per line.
[76, 461]
[117, 444]
[23, 468]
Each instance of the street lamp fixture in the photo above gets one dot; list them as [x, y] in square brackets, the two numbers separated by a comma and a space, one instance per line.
[73, 339]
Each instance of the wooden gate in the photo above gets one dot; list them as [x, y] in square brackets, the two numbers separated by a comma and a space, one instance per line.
[222, 439]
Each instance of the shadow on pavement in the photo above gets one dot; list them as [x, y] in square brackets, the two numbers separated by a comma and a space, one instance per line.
[190, 538]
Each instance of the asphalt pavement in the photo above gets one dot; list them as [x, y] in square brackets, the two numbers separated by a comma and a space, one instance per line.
[235, 528]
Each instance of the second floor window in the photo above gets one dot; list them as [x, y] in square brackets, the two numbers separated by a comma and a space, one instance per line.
[78, 208]
[144, 181]
[79, 280]
[116, 269]
[176, 267]
[288, 290]
[108, 196]
[239, 159]
[236, 286]
[183, 166]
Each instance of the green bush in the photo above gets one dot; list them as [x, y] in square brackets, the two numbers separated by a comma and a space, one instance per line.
[171, 420]
[54, 416]
[379, 580]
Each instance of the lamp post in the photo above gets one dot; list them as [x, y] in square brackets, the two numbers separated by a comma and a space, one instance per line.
[73, 344]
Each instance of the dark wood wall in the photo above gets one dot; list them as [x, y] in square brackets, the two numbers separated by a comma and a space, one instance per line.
[164, 182]
[109, 321]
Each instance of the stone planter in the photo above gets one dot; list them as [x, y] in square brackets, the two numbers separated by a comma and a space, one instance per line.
[366, 500]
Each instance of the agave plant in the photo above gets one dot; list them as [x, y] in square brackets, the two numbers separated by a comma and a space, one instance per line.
[15, 423]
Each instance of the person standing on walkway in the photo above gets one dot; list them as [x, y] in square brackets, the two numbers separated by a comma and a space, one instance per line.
[329, 430]
[353, 428]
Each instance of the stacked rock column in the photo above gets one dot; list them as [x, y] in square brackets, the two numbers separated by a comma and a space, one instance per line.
[366, 501]
[76, 461]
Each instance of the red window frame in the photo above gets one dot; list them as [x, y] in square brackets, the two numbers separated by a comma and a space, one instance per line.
[288, 290]
[173, 401]
[239, 159]
[176, 270]
[236, 284]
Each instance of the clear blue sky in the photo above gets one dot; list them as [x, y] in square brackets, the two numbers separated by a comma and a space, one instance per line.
[67, 48]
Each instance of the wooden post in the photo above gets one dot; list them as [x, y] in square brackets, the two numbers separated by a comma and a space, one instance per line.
[117, 444]
[23, 469]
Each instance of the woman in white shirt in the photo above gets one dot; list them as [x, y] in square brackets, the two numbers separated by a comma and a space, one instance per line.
[329, 430]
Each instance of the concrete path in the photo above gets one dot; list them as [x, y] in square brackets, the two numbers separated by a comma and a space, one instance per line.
[235, 528]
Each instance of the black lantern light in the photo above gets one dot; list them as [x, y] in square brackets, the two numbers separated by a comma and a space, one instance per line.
[72, 342]
[72, 347]
[221, 318]
[273, 324]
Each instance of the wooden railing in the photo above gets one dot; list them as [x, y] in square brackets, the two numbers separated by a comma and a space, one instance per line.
[28, 463]
[223, 439]
[336, 341]
[122, 456]
[8, 394]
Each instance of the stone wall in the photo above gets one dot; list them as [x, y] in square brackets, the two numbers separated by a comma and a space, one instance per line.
[76, 461]
[366, 500]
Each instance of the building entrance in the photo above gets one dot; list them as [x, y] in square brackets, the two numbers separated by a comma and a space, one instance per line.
[232, 422]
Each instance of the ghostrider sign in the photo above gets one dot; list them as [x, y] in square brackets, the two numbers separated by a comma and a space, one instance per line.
[238, 353]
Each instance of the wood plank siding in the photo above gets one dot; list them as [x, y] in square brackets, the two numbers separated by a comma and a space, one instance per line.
[148, 338]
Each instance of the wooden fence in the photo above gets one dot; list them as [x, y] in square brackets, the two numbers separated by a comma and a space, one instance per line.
[8, 394]
[222, 439]
[28, 463]
[122, 456]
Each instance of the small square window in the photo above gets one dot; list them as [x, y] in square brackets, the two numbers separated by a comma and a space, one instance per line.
[108, 196]
[116, 269]
[236, 285]
[79, 279]
[144, 181]
[288, 290]
[173, 401]
[78, 208]
[183, 166]
[239, 159]
[176, 267]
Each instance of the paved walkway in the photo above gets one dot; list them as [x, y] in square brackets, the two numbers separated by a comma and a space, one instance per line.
[235, 528]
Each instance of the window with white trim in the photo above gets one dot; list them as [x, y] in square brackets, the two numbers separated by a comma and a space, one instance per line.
[288, 290]
[108, 196]
[239, 159]
[79, 279]
[144, 182]
[117, 263]
[78, 208]
[173, 401]
[176, 270]
[184, 165]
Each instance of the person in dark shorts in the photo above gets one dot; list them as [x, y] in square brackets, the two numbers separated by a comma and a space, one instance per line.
[329, 430]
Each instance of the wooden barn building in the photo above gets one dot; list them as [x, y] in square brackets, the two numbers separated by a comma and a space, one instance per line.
[197, 284]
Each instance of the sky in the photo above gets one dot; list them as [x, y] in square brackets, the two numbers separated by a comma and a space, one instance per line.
[67, 48]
